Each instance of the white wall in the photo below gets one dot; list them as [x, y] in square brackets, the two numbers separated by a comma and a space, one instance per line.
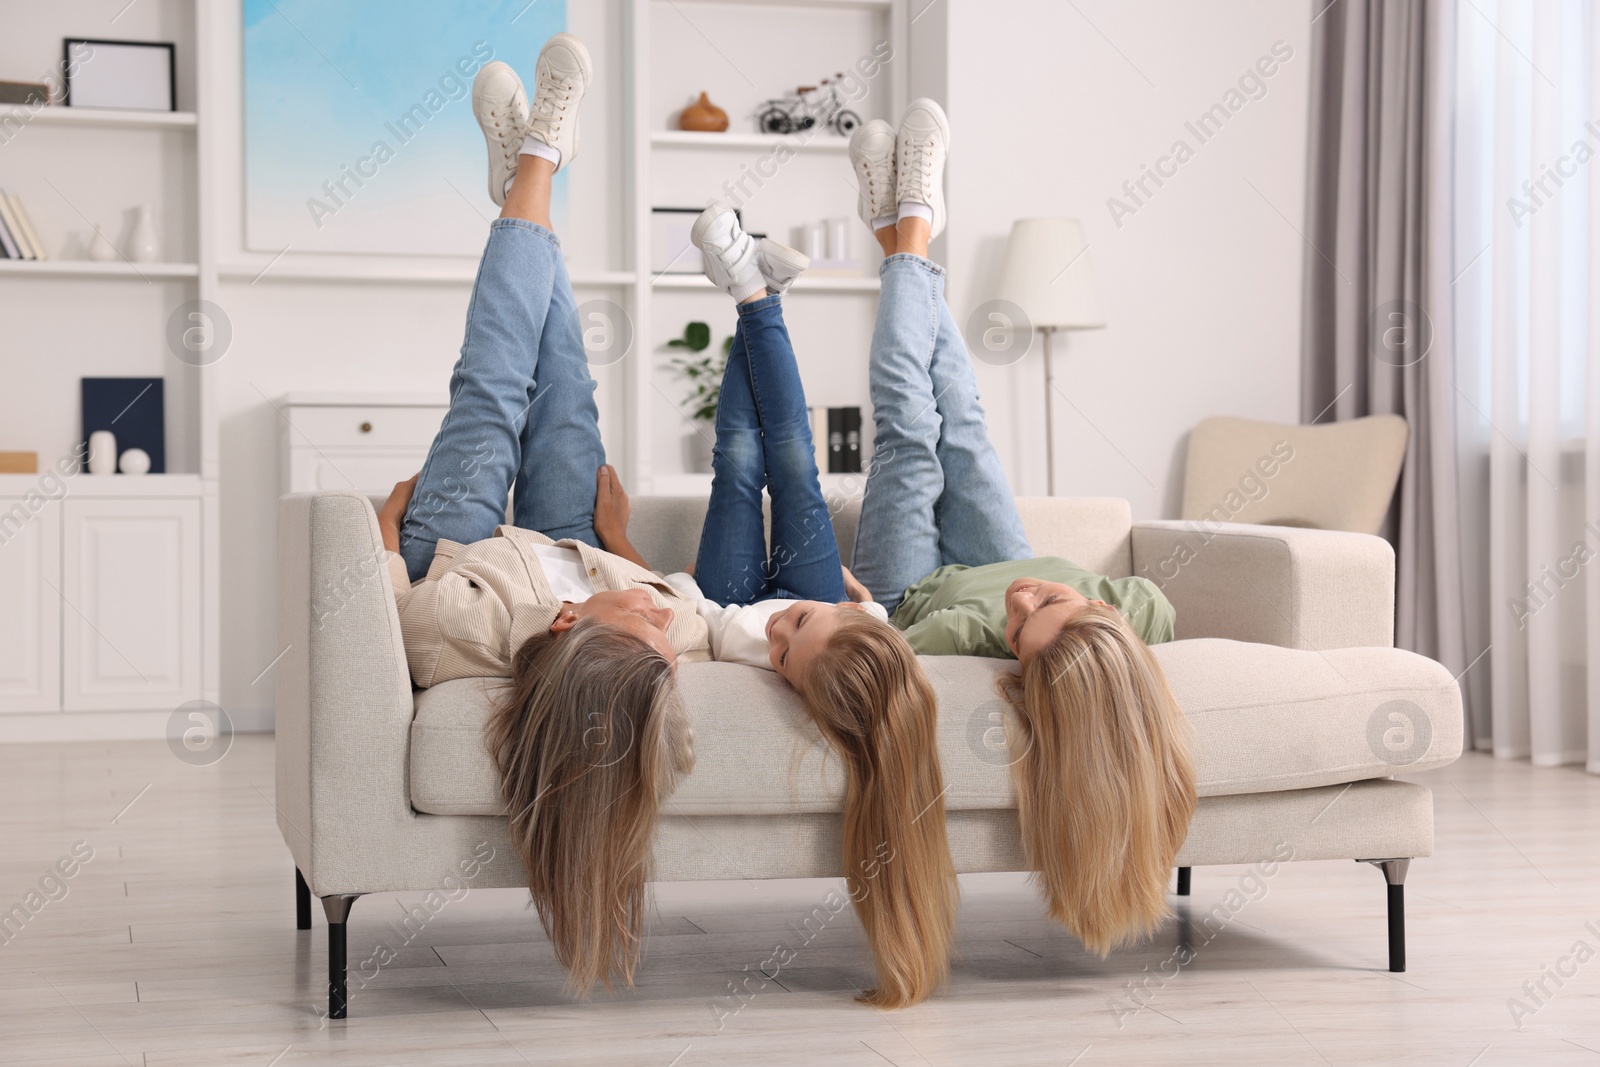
[1053, 106]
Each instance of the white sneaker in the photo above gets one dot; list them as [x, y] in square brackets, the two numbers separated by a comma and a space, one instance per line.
[502, 110]
[920, 151]
[730, 254]
[780, 265]
[872, 152]
[560, 78]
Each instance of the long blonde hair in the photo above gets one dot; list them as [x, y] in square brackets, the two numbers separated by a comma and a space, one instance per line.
[1105, 784]
[590, 738]
[873, 704]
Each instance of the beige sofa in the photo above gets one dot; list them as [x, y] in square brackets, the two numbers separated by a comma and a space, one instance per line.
[1301, 707]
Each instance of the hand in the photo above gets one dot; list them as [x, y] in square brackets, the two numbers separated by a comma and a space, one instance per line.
[611, 509]
[854, 589]
[393, 512]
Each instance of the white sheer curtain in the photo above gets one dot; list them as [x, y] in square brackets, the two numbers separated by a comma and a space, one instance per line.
[1527, 349]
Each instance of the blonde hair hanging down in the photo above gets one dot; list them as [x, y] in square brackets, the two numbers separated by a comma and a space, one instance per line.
[872, 703]
[1104, 780]
[590, 738]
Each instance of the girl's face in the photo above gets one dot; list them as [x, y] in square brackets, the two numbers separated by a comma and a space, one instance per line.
[796, 635]
[1036, 610]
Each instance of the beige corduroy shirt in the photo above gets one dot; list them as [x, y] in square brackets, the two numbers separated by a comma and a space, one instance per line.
[478, 603]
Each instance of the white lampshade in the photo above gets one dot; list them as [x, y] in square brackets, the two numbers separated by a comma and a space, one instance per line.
[1047, 274]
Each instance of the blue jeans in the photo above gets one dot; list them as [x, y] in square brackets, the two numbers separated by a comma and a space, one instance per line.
[522, 416]
[936, 493]
[764, 439]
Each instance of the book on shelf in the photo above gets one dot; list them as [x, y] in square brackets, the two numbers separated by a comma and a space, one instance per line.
[28, 228]
[8, 230]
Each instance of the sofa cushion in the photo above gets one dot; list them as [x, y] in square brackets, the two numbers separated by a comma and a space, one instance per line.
[1264, 719]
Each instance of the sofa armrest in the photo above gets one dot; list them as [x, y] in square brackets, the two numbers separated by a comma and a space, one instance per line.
[1276, 585]
[344, 705]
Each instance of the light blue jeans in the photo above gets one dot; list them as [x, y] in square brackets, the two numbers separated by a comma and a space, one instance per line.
[522, 415]
[936, 493]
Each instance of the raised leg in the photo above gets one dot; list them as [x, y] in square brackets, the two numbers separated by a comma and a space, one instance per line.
[477, 454]
[337, 909]
[764, 437]
[897, 541]
[302, 902]
[1183, 881]
[1394, 873]
[978, 520]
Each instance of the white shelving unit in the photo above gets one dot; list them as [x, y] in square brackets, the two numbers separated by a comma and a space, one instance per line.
[120, 588]
[105, 116]
[829, 316]
[83, 268]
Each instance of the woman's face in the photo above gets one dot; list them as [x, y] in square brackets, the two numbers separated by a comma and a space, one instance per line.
[629, 610]
[1036, 610]
[797, 634]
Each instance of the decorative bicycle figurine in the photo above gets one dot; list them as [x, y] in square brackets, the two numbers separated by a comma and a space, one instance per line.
[809, 107]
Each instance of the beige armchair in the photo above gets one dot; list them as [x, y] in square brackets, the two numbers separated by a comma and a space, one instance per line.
[1337, 476]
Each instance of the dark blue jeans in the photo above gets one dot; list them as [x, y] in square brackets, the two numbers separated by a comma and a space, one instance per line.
[764, 440]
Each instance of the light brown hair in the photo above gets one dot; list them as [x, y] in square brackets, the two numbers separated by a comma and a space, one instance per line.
[590, 738]
[1104, 780]
[872, 703]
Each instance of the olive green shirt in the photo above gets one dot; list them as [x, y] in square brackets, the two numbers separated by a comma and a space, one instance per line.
[961, 611]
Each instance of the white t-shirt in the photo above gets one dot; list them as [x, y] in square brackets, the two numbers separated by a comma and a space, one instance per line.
[563, 569]
[739, 632]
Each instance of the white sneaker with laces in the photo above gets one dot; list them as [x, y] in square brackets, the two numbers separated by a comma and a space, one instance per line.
[560, 78]
[731, 258]
[921, 147]
[872, 151]
[501, 107]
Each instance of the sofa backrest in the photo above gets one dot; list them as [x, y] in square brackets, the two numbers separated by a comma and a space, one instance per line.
[1093, 532]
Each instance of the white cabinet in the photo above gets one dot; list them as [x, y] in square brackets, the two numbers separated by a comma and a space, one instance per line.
[130, 583]
[362, 442]
[30, 622]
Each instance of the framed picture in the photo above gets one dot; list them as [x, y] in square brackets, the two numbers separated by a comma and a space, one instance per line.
[132, 75]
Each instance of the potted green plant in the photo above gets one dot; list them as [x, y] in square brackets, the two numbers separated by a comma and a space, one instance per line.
[703, 373]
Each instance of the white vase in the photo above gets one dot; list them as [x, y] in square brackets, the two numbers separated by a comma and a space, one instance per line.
[102, 452]
[101, 250]
[134, 461]
[144, 246]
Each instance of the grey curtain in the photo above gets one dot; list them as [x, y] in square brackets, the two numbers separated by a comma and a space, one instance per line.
[1377, 310]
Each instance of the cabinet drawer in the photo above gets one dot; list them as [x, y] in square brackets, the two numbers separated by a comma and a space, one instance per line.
[364, 427]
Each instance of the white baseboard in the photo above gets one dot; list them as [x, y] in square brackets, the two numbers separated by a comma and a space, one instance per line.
[112, 725]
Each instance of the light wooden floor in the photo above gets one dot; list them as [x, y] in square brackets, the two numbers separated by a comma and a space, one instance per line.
[175, 945]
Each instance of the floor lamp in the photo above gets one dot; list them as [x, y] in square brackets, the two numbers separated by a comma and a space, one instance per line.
[1047, 275]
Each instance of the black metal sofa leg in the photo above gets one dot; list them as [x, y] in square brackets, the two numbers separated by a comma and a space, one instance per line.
[1183, 881]
[302, 902]
[337, 908]
[1394, 873]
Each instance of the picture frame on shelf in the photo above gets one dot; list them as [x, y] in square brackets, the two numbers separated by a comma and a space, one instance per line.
[671, 250]
[121, 75]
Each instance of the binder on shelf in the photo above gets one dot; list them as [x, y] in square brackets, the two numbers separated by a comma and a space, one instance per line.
[850, 419]
[835, 440]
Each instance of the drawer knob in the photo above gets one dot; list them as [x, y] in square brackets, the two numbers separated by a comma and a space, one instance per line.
[366, 427]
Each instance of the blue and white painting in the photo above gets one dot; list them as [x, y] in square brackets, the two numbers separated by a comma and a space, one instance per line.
[358, 126]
